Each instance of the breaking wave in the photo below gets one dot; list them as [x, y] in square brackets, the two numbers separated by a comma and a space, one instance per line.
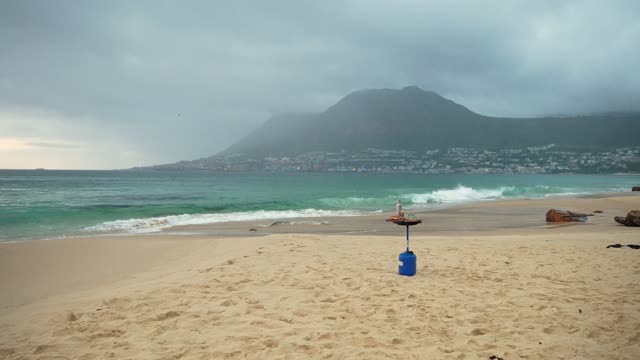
[459, 195]
[154, 224]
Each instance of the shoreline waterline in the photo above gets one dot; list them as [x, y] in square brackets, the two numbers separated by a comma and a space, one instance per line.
[479, 215]
[84, 203]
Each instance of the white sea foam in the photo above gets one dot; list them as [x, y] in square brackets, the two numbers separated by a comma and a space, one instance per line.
[568, 193]
[459, 195]
[355, 202]
[154, 224]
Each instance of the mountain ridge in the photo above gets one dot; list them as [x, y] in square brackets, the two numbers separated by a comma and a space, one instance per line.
[415, 119]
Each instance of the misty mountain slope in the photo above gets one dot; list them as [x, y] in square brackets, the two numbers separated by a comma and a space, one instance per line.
[277, 132]
[414, 119]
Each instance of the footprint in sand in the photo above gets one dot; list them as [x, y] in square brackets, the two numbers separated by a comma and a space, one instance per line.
[41, 349]
[228, 302]
[167, 315]
[258, 323]
[7, 352]
[300, 313]
[106, 334]
[271, 343]
[390, 312]
[122, 303]
[327, 336]
[328, 300]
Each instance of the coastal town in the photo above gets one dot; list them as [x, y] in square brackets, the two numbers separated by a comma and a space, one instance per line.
[548, 159]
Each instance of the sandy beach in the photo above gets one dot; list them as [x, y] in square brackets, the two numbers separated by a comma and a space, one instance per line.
[492, 279]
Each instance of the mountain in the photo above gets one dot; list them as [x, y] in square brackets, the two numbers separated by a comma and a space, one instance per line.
[414, 119]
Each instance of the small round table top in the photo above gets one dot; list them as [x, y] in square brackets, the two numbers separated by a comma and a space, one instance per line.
[401, 220]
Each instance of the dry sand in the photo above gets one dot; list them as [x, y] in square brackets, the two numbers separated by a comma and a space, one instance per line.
[520, 292]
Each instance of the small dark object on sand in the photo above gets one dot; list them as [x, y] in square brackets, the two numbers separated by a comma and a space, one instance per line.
[253, 230]
[71, 316]
[580, 311]
[281, 223]
[632, 219]
[618, 246]
[494, 357]
[598, 211]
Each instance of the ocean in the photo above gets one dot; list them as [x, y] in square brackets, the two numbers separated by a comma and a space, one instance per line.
[53, 204]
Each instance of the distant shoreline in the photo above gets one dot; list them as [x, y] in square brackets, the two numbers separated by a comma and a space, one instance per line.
[151, 170]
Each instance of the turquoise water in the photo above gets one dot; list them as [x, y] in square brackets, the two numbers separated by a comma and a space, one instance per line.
[46, 204]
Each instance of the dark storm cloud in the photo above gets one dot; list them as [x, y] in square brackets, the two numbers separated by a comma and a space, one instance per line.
[177, 80]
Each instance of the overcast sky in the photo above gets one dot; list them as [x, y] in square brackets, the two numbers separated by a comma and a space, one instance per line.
[115, 84]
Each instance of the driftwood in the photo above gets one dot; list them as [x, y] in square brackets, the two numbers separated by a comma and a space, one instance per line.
[632, 219]
[554, 215]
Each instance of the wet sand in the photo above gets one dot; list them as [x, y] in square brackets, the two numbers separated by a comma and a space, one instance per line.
[454, 219]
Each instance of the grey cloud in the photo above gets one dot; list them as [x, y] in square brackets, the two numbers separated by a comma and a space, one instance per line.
[50, 145]
[131, 67]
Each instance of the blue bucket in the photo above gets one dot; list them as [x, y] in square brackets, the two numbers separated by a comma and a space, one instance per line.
[407, 263]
